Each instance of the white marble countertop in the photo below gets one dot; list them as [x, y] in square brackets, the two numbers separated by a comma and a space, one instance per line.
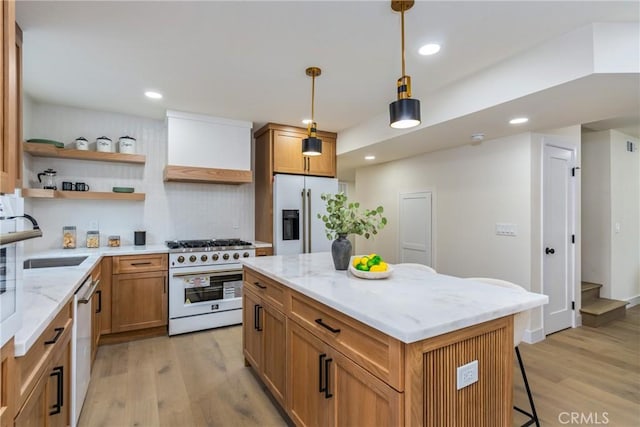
[410, 306]
[47, 290]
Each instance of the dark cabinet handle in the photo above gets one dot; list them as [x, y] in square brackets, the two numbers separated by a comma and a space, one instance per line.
[327, 393]
[99, 309]
[259, 285]
[549, 251]
[59, 332]
[258, 317]
[135, 264]
[58, 372]
[321, 387]
[255, 316]
[324, 325]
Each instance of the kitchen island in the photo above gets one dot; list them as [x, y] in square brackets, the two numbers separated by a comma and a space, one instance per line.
[334, 349]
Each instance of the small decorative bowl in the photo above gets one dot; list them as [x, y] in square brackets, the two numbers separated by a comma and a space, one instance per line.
[371, 275]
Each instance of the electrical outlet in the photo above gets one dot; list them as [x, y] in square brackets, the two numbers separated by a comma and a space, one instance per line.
[467, 374]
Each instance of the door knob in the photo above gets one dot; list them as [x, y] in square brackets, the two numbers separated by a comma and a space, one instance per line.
[549, 251]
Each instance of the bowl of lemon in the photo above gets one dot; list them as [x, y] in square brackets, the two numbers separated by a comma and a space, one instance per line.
[370, 266]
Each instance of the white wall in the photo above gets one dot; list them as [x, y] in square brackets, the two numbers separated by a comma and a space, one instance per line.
[625, 213]
[170, 210]
[596, 210]
[611, 214]
[474, 187]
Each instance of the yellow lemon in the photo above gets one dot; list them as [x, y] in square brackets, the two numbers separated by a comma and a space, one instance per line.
[364, 260]
[378, 268]
[356, 261]
[382, 265]
[371, 255]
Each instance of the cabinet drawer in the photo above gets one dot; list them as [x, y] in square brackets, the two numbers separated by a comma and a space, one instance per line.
[272, 292]
[375, 351]
[32, 365]
[264, 251]
[140, 263]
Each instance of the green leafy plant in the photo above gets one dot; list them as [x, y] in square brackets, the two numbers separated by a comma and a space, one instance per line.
[344, 217]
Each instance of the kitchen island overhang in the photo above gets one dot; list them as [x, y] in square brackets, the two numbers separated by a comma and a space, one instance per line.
[398, 341]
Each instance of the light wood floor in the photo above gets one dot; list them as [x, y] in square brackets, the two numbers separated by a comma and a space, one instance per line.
[199, 379]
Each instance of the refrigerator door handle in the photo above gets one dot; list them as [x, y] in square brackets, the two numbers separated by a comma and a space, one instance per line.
[309, 218]
[304, 224]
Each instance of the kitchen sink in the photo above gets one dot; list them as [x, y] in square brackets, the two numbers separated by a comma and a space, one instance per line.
[68, 261]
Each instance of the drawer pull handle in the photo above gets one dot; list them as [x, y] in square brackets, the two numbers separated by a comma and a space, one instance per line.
[324, 325]
[259, 285]
[141, 263]
[99, 309]
[327, 392]
[259, 325]
[321, 388]
[58, 372]
[59, 332]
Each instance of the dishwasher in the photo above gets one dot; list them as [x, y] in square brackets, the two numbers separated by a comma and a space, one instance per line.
[81, 342]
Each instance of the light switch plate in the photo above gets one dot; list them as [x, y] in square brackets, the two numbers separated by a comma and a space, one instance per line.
[506, 229]
[467, 374]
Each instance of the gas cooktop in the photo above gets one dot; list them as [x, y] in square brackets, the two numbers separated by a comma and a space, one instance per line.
[207, 245]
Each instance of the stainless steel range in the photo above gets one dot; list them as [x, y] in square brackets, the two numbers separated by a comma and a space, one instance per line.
[205, 283]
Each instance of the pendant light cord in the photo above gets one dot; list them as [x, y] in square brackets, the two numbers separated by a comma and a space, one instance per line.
[313, 94]
[402, 36]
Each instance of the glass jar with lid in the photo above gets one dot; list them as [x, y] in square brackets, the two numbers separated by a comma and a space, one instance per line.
[93, 239]
[114, 241]
[69, 237]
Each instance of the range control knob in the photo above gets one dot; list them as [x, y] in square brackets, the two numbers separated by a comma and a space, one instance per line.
[236, 255]
[203, 258]
[246, 255]
[180, 259]
[192, 258]
[215, 257]
[225, 256]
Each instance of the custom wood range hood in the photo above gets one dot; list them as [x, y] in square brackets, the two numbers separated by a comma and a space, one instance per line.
[206, 149]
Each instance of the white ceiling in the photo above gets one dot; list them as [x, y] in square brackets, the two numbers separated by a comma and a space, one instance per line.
[246, 59]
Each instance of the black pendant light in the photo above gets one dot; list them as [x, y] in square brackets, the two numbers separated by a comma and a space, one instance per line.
[312, 145]
[405, 111]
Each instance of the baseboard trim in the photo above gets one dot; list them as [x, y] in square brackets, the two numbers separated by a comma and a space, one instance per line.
[633, 301]
[532, 337]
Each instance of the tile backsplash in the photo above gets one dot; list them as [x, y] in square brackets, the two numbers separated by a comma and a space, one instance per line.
[170, 210]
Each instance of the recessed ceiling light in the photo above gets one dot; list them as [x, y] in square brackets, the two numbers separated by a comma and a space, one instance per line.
[369, 157]
[519, 120]
[306, 121]
[429, 49]
[153, 95]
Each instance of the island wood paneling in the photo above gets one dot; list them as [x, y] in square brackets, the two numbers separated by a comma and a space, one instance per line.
[8, 389]
[431, 393]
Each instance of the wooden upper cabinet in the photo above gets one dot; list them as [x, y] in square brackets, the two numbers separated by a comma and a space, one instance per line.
[9, 142]
[284, 153]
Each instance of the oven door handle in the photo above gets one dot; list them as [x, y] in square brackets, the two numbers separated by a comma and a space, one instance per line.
[209, 273]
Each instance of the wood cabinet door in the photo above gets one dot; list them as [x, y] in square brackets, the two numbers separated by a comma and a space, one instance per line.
[96, 321]
[58, 393]
[274, 352]
[306, 357]
[324, 164]
[8, 385]
[105, 295]
[139, 301]
[287, 152]
[34, 412]
[251, 330]
[8, 94]
[359, 398]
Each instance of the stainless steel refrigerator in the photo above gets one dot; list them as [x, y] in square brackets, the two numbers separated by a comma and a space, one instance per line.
[296, 204]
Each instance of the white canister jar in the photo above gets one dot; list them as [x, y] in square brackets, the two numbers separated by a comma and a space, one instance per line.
[104, 145]
[127, 145]
[82, 143]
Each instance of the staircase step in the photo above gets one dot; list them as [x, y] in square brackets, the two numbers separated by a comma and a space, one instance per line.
[602, 311]
[590, 292]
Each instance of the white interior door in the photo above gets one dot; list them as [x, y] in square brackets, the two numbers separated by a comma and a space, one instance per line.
[415, 228]
[558, 225]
